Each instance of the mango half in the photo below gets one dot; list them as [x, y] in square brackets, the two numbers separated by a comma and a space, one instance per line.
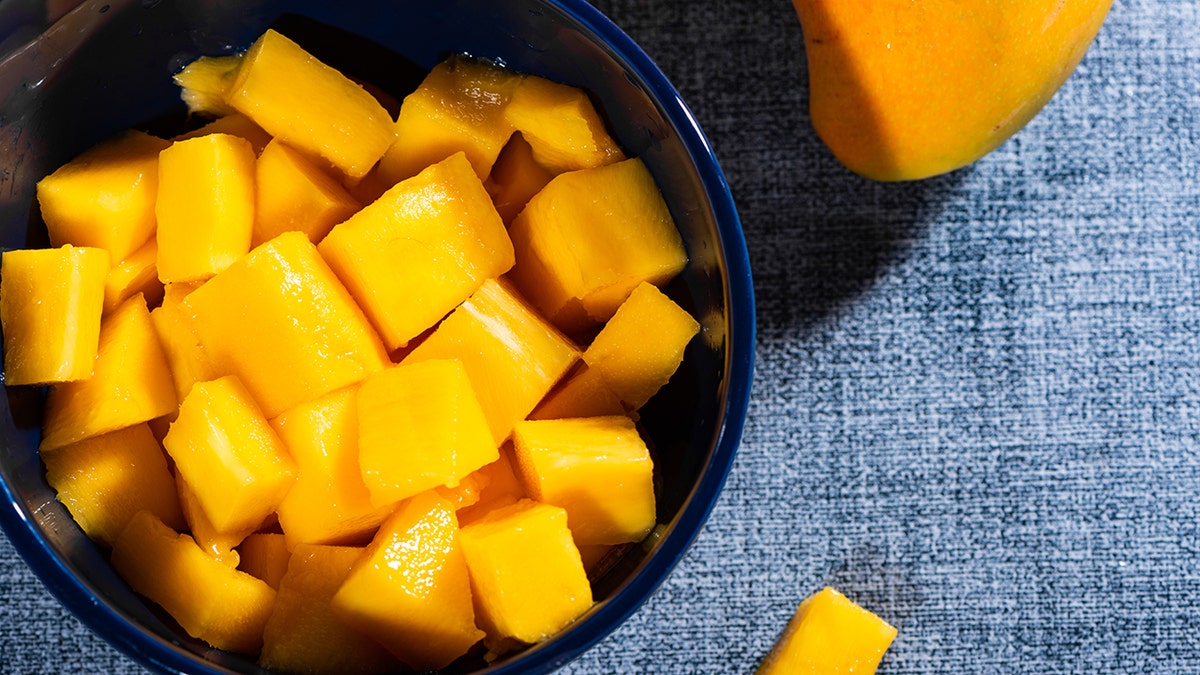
[903, 90]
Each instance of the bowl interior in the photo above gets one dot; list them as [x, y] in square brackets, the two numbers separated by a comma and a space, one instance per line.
[107, 67]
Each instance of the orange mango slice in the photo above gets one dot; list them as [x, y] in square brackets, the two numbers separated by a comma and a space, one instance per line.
[829, 634]
[515, 178]
[51, 301]
[295, 194]
[564, 130]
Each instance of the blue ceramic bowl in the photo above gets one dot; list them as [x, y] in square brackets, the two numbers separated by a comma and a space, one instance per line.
[107, 66]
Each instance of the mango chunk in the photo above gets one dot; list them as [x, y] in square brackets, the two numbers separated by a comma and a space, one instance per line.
[420, 426]
[584, 393]
[526, 573]
[228, 454]
[136, 274]
[304, 635]
[51, 301]
[420, 249]
[562, 126]
[211, 601]
[598, 469]
[411, 591]
[105, 197]
[310, 106]
[511, 354]
[130, 383]
[203, 84]
[205, 206]
[281, 321]
[295, 194]
[588, 238]
[458, 107]
[265, 556]
[515, 178]
[642, 345]
[329, 502]
[829, 635]
[235, 124]
[106, 479]
[501, 488]
[189, 363]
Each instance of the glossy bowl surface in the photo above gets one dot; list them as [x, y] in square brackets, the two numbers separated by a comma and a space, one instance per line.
[107, 66]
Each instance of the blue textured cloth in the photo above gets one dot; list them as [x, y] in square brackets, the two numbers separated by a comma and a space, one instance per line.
[977, 399]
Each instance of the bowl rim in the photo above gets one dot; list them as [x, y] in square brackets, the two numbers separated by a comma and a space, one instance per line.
[134, 641]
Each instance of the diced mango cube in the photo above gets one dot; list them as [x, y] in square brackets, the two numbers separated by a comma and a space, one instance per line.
[211, 601]
[235, 124]
[304, 635]
[596, 468]
[526, 572]
[281, 321]
[310, 106]
[329, 502]
[137, 273]
[204, 83]
[51, 301]
[561, 125]
[421, 249]
[130, 383]
[588, 238]
[411, 592]
[264, 555]
[829, 635]
[105, 197]
[511, 354]
[237, 467]
[515, 178]
[106, 479]
[295, 194]
[420, 426]
[188, 361]
[584, 393]
[459, 107]
[642, 345]
[205, 206]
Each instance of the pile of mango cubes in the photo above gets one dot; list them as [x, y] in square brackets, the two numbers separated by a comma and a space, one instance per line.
[346, 390]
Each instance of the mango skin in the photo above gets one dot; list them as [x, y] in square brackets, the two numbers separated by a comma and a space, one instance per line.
[903, 90]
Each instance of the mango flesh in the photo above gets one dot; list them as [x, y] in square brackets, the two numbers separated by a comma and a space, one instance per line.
[903, 90]
[411, 591]
[563, 128]
[829, 635]
[51, 301]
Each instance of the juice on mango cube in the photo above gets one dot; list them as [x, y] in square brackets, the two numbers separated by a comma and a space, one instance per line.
[422, 248]
[230, 457]
[560, 123]
[105, 196]
[211, 601]
[598, 469]
[829, 635]
[329, 501]
[511, 354]
[106, 479]
[588, 238]
[310, 106]
[642, 345]
[280, 320]
[295, 194]
[130, 383]
[420, 426]
[411, 591]
[51, 301]
[526, 573]
[304, 635]
[458, 107]
[205, 206]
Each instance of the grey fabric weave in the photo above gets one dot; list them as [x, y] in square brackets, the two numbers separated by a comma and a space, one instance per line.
[977, 398]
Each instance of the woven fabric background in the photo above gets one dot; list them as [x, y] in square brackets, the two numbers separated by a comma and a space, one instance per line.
[977, 398]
